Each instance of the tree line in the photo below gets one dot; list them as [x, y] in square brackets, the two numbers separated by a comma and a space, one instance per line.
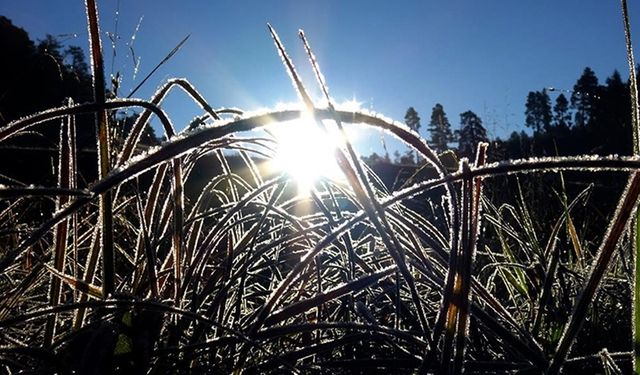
[590, 118]
[594, 119]
[44, 74]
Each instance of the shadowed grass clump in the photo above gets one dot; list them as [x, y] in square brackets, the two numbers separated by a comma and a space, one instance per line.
[150, 269]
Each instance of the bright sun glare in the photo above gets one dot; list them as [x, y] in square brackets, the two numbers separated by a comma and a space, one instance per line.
[305, 152]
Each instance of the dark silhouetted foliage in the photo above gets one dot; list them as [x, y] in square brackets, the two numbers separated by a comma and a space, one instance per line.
[561, 115]
[584, 97]
[538, 112]
[471, 133]
[440, 129]
[34, 77]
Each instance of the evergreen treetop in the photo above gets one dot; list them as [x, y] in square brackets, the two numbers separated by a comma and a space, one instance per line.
[440, 129]
[471, 133]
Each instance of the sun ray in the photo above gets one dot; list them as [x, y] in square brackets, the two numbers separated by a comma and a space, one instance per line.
[305, 152]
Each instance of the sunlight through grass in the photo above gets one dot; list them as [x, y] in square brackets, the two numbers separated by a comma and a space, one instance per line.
[212, 264]
[305, 152]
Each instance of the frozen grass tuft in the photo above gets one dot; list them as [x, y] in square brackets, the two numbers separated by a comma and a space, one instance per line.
[149, 269]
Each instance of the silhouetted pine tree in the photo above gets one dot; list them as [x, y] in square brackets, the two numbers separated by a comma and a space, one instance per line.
[471, 133]
[586, 93]
[538, 111]
[440, 129]
[412, 120]
[614, 117]
[561, 114]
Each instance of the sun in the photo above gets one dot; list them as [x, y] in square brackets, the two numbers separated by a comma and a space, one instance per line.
[305, 152]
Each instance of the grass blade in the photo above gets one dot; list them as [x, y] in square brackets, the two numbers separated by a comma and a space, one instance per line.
[104, 148]
[635, 130]
[61, 231]
[358, 180]
[624, 211]
[164, 60]
[329, 295]
[468, 256]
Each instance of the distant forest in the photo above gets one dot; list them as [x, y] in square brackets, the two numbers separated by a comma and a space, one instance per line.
[35, 76]
[592, 118]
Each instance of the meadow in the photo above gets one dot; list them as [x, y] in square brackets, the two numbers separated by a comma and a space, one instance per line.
[151, 270]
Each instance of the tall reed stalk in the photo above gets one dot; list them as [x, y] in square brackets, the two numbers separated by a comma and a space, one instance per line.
[635, 129]
[104, 149]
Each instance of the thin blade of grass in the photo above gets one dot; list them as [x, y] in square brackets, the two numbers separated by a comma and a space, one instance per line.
[150, 254]
[104, 148]
[89, 273]
[61, 231]
[77, 284]
[468, 256]
[12, 192]
[352, 166]
[164, 60]
[635, 130]
[600, 265]
[554, 259]
[329, 295]
[571, 228]
[178, 222]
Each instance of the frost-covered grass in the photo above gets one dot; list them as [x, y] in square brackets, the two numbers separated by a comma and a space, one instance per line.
[449, 274]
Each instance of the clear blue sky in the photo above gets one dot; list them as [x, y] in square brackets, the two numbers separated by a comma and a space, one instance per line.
[483, 56]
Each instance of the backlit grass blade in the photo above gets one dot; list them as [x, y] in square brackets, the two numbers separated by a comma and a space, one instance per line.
[104, 148]
[635, 130]
[65, 174]
[21, 125]
[633, 79]
[13, 192]
[76, 284]
[571, 228]
[142, 120]
[468, 256]
[364, 191]
[164, 60]
[178, 221]
[73, 183]
[600, 265]
[89, 273]
[148, 250]
[348, 288]
[553, 257]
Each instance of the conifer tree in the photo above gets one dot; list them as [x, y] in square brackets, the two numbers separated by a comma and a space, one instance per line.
[584, 97]
[538, 111]
[440, 129]
[471, 133]
[412, 119]
[561, 115]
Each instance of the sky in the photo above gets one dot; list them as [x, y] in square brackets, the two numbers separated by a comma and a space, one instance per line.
[483, 56]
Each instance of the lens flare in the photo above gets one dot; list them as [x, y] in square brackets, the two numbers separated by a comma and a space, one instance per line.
[305, 152]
